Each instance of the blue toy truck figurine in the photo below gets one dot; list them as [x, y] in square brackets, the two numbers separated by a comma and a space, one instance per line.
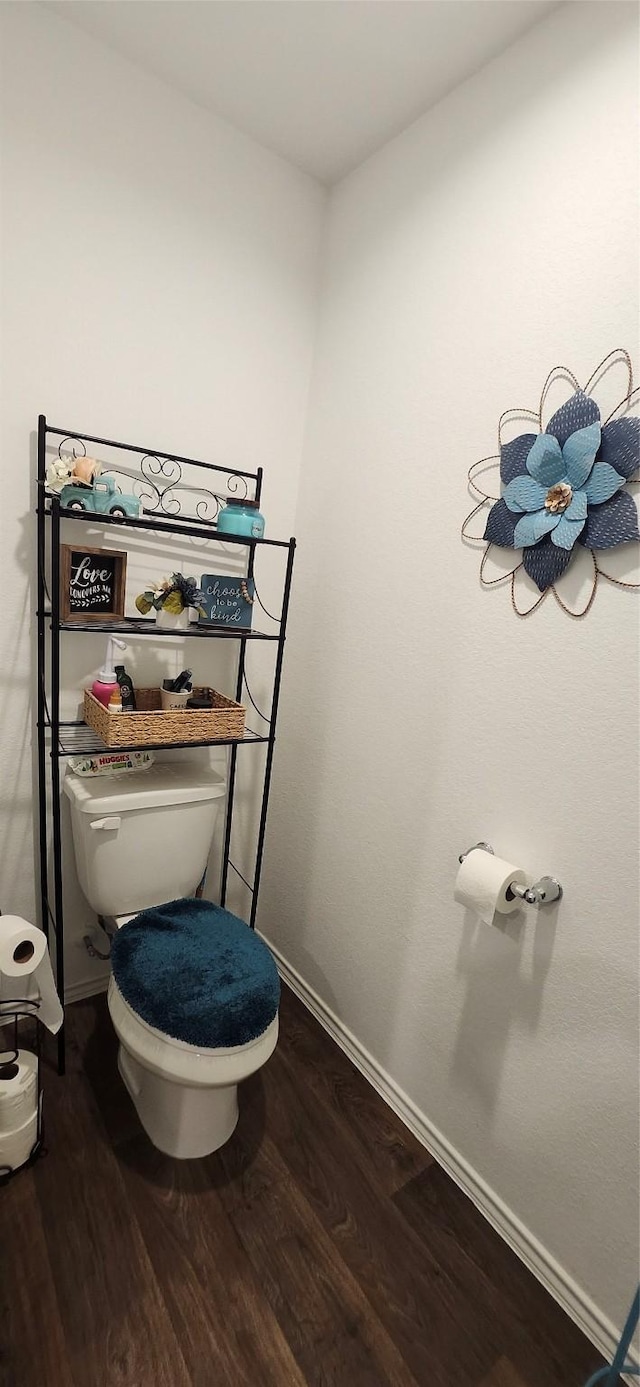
[102, 496]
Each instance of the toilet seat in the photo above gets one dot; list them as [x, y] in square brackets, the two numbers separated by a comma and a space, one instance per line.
[181, 1062]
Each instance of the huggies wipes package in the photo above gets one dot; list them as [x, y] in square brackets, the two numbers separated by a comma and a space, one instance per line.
[112, 763]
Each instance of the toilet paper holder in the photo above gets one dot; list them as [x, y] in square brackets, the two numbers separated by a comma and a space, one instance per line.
[14, 1014]
[543, 892]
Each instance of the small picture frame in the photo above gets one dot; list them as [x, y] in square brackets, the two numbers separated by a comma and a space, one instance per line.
[92, 583]
[227, 601]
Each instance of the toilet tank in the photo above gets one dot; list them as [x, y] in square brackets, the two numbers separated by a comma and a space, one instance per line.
[143, 838]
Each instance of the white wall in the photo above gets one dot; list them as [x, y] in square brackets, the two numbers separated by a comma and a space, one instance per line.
[159, 284]
[492, 240]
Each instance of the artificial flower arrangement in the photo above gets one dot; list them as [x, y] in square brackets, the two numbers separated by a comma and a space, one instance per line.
[566, 501]
[65, 469]
[172, 595]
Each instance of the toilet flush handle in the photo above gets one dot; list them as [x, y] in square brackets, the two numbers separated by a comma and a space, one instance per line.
[113, 821]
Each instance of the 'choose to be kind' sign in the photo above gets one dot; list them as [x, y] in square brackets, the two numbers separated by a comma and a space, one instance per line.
[227, 601]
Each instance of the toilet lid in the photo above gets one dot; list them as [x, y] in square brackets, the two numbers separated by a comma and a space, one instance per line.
[197, 973]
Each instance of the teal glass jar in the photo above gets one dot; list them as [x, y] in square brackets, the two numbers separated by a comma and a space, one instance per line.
[241, 518]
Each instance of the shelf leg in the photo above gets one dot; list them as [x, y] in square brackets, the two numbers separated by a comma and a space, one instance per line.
[272, 734]
[55, 767]
[41, 677]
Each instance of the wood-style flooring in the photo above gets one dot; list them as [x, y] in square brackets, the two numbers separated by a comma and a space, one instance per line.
[322, 1245]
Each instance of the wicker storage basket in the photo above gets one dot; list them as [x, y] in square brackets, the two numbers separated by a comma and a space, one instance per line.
[150, 725]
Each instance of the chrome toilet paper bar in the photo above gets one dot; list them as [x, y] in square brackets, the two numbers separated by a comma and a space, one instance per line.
[543, 892]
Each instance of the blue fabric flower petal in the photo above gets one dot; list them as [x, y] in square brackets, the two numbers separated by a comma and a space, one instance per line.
[620, 445]
[531, 528]
[578, 412]
[615, 522]
[602, 484]
[577, 508]
[500, 526]
[545, 461]
[579, 454]
[524, 494]
[513, 456]
[545, 563]
[567, 532]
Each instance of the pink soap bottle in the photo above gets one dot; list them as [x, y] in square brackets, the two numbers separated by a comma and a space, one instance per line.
[102, 687]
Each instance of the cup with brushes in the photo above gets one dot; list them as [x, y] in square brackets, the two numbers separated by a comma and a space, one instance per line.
[175, 693]
[179, 693]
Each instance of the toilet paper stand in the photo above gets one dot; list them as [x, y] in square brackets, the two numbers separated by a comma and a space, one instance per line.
[14, 1012]
[543, 891]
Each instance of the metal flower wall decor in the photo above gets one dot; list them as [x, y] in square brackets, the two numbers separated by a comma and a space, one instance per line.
[565, 493]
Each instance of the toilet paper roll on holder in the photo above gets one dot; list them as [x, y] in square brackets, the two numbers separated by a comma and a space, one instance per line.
[543, 892]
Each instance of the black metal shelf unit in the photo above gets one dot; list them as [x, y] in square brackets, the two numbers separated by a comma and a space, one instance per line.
[179, 500]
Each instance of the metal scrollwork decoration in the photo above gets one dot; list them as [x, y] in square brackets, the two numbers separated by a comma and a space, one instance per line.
[565, 502]
[164, 486]
[74, 454]
[155, 488]
[209, 498]
[164, 489]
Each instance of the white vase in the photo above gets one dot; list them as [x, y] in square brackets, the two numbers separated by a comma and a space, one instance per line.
[172, 621]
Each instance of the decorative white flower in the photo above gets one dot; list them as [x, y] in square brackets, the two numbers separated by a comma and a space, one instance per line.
[59, 472]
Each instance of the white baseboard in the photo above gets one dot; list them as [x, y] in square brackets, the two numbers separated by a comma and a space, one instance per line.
[573, 1299]
[86, 987]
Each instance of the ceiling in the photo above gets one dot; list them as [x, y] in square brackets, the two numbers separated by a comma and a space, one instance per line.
[323, 83]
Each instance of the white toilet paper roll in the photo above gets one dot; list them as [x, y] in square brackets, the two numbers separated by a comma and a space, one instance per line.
[24, 955]
[16, 1147]
[483, 881]
[19, 1093]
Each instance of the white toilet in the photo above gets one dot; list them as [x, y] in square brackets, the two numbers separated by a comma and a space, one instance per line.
[140, 840]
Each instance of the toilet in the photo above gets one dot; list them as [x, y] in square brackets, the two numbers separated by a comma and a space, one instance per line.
[194, 992]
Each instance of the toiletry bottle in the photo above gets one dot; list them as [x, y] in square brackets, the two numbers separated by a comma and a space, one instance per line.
[115, 700]
[127, 691]
[107, 681]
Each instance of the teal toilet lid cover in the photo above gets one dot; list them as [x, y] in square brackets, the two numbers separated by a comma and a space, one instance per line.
[197, 973]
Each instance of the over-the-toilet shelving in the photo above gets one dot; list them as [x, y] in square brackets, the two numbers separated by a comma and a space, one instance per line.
[181, 498]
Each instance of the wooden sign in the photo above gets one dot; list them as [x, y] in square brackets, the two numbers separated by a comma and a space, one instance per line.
[227, 601]
[92, 583]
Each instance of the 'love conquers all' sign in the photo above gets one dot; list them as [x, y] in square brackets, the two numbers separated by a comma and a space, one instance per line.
[92, 584]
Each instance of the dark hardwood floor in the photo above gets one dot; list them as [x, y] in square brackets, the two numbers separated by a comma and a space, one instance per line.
[322, 1245]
